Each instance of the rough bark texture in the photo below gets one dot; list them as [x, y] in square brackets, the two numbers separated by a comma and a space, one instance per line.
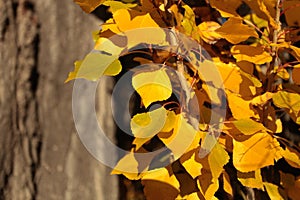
[41, 156]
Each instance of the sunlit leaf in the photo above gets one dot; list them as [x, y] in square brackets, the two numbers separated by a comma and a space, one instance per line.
[252, 54]
[259, 151]
[273, 191]
[95, 65]
[152, 86]
[191, 163]
[291, 156]
[287, 100]
[264, 10]
[239, 107]
[262, 99]
[182, 137]
[248, 126]
[217, 158]
[234, 31]
[144, 125]
[128, 166]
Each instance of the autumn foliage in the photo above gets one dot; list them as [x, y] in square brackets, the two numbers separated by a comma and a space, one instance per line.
[251, 149]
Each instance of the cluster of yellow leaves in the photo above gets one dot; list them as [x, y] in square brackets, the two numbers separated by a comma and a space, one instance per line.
[251, 133]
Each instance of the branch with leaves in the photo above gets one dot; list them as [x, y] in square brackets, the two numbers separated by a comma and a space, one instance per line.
[258, 61]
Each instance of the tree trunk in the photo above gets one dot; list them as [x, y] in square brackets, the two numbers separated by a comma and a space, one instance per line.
[41, 156]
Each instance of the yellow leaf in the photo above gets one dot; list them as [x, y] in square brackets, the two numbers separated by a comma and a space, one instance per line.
[189, 24]
[207, 31]
[145, 125]
[170, 122]
[191, 163]
[89, 5]
[287, 100]
[207, 185]
[256, 55]
[152, 86]
[254, 153]
[278, 126]
[273, 191]
[217, 158]
[264, 10]
[239, 107]
[259, 22]
[128, 166]
[168, 126]
[234, 31]
[227, 8]
[95, 65]
[262, 99]
[140, 29]
[117, 5]
[235, 79]
[291, 156]
[248, 126]
[180, 140]
[251, 179]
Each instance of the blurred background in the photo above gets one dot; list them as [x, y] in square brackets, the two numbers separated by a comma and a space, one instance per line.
[41, 156]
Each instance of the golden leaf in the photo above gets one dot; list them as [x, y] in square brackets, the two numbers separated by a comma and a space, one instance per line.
[273, 191]
[258, 151]
[256, 55]
[239, 107]
[248, 126]
[152, 86]
[217, 158]
[291, 156]
[234, 31]
[181, 139]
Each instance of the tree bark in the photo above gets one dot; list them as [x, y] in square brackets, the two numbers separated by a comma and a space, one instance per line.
[41, 155]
